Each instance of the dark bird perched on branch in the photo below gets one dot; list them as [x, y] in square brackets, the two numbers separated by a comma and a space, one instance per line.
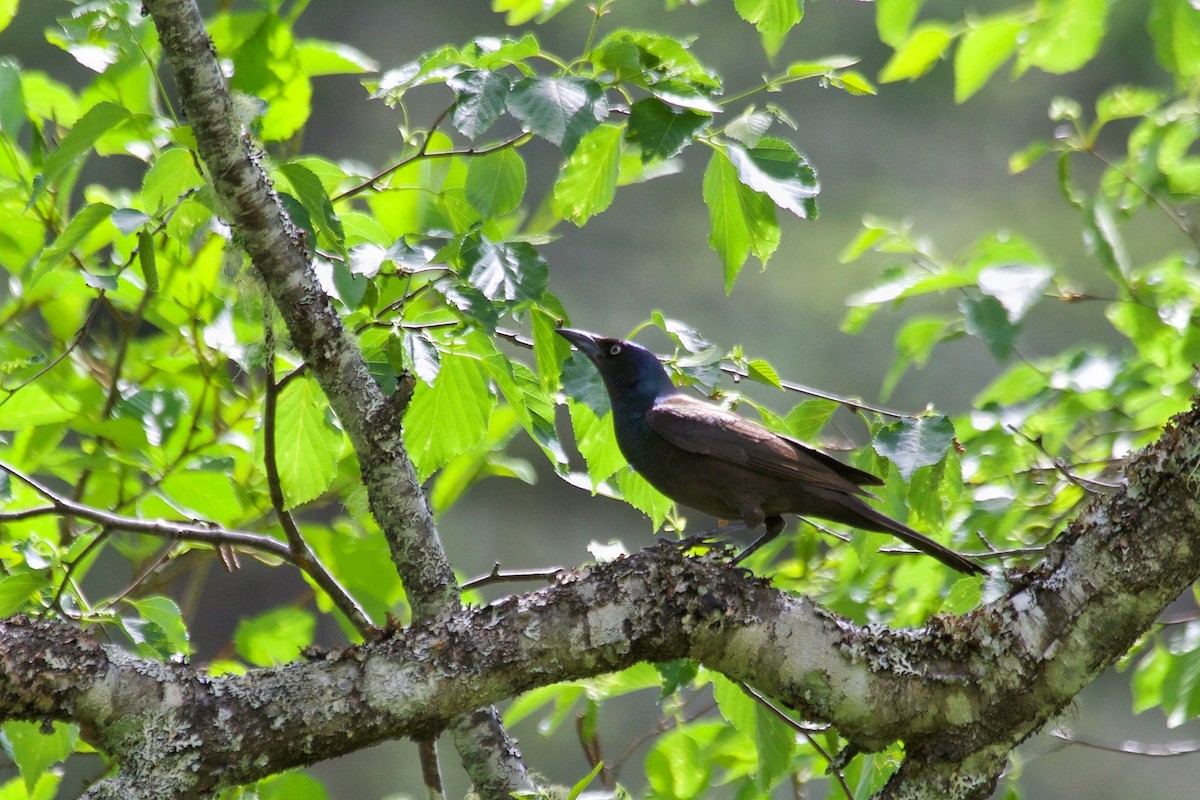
[717, 462]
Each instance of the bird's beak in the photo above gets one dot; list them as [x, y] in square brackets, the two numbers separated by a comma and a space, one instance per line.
[585, 342]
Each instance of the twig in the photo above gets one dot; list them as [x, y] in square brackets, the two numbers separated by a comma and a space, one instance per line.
[1095, 487]
[497, 575]
[1130, 747]
[791, 386]
[202, 532]
[431, 770]
[300, 553]
[75, 341]
[804, 731]
[369, 183]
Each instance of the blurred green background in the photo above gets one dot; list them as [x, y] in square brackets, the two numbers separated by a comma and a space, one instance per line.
[909, 153]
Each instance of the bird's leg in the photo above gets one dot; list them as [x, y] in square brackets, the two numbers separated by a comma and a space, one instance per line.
[774, 526]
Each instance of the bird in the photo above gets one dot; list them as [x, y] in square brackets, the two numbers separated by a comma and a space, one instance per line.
[717, 462]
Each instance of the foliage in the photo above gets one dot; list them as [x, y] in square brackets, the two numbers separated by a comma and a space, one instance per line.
[133, 371]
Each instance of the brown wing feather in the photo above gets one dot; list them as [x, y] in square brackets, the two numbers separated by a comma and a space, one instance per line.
[699, 427]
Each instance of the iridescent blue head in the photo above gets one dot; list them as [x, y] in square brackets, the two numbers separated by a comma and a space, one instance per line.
[630, 371]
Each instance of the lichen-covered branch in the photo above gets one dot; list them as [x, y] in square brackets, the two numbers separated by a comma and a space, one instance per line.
[370, 419]
[961, 692]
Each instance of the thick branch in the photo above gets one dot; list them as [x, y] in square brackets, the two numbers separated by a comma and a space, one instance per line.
[331, 353]
[960, 692]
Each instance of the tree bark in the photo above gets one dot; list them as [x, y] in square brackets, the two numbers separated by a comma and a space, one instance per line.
[961, 691]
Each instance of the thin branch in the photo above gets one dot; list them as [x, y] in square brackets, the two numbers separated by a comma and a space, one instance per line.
[301, 555]
[1131, 747]
[853, 405]
[497, 575]
[431, 770]
[204, 533]
[804, 731]
[1093, 487]
[369, 183]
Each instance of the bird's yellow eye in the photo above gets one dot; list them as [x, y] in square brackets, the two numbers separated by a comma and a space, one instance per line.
[614, 349]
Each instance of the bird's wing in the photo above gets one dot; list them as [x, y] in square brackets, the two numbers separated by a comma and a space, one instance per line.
[699, 427]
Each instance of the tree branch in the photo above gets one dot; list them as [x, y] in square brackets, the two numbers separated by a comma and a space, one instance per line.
[960, 692]
[329, 351]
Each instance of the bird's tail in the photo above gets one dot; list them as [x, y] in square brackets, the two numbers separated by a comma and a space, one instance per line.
[864, 516]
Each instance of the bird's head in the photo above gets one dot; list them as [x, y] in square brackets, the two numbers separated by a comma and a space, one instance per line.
[625, 367]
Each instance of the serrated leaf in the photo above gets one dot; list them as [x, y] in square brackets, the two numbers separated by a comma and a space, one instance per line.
[987, 320]
[778, 171]
[588, 180]
[99, 120]
[676, 675]
[560, 110]
[13, 116]
[34, 751]
[763, 372]
[1065, 36]
[1174, 26]
[307, 448]
[171, 175]
[450, 416]
[808, 419]
[741, 220]
[319, 57]
[894, 19]
[914, 443]
[163, 612]
[128, 220]
[480, 97]
[509, 271]
[676, 768]
[981, 51]
[496, 182]
[638, 492]
[15, 591]
[275, 637]
[83, 223]
[312, 195]
[770, 17]
[918, 54]
[659, 130]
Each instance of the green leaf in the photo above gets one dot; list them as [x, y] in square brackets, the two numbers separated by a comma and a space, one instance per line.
[660, 131]
[638, 492]
[13, 115]
[480, 97]
[510, 271]
[16, 590]
[496, 182]
[312, 195]
[449, 417]
[809, 418]
[778, 171]
[914, 345]
[676, 674]
[986, 319]
[588, 181]
[1125, 102]
[163, 612]
[275, 637]
[8, 10]
[676, 768]
[318, 57]
[914, 443]
[34, 751]
[894, 19]
[83, 223]
[171, 175]
[763, 372]
[1065, 36]
[741, 219]
[583, 782]
[770, 17]
[307, 448]
[981, 51]
[597, 443]
[1104, 240]
[33, 406]
[560, 110]
[99, 120]
[918, 54]
[1175, 28]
